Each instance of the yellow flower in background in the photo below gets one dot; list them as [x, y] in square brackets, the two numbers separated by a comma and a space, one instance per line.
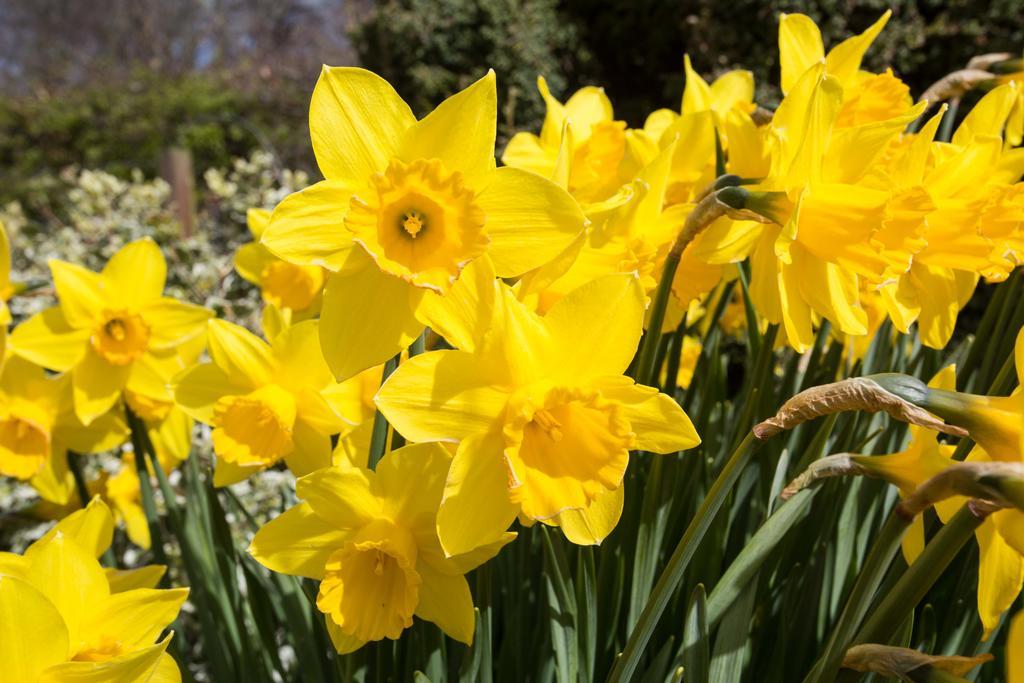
[112, 330]
[64, 618]
[975, 225]
[687, 362]
[542, 413]
[265, 402]
[600, 153]
[370, 539]
[38, 426]
[867, 97]
[405, 206]
[282, 284]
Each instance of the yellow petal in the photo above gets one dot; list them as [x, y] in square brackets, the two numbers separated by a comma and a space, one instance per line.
[831, 291]
[346, 498]
[594, 523]
[227, 473]
[135, 618]
[696, 93]
[609, 313]
[135, 275]
[35, 636]
[988, 117]
[298, 363]
[135, 524]
[174, 322]
[245, 358]
[97, 386]
[356, 121]
[474, 558]
[308, 227]
[412, 481]
[312, 450]
[843, 61]
[72, 579]
[47, 339]
[250, 260]
[385, 307]
[460, 131]
[92, 528]
[166, 670]
[802, 124]
[54, 482]
[731, 89]
[530, 220]
[147, 576]
[441, 396]
[1000, 575]
[937, 296]
[140, 665]
[587, 107]
[800, 47]
[796, 314]
[913, 541]
[659, 423]
[199, 388]
[297, 542]
[462, 316]
[525, 151]
[80, 293]
[342, 642]
[5, 257]
[727, 241]
[445, 600]
[476, 509]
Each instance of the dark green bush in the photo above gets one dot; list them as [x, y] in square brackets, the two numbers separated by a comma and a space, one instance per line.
[125, 126]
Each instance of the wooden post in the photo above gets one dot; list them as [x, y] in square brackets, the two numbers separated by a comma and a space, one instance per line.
[176, 169]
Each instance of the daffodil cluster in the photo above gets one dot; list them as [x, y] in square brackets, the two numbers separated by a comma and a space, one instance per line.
[452, 348]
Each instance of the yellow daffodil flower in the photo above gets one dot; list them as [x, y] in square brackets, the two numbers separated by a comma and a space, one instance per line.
[38, 426]
[370, 539]
[867, 97]
[282, 284]
[832, 226]
[112, 329]
[544, 423]
[265, 402]
[406, 204]
[975, 225]
[601, 154]
[63, 618]
[688, 361]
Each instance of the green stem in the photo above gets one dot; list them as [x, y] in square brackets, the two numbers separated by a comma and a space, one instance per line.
[915, 583]
[645, 370]
[139, 439]
[379, 440]
[76, 472]
[876, 564]
[945, 133]
[672, 575]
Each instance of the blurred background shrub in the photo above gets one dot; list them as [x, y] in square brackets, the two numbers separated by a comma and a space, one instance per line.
[223, 78]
